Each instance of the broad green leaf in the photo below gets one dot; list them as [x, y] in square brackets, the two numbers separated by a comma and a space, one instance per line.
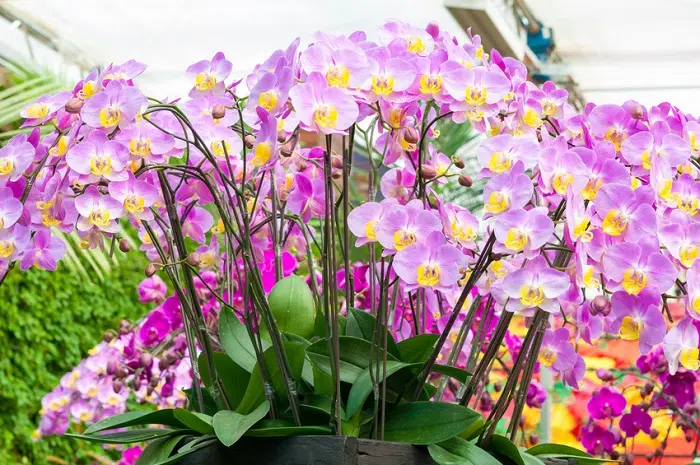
[159, 450]
[280, 428]
[180, 455]
[362, 387]
[292, 306]
[236, 341]
[475, 429]
[417, 348]
[354, 357]
[530, 459]
[255, 392]
[230, 426]
[362, 324]
[442, 457]
[453, 372]
[501, 445]
[565, 452]
[233, 377]
[158, 417]
[126, 437]
[210, 407]
[423, 423]
[473, 454]
[198, 422]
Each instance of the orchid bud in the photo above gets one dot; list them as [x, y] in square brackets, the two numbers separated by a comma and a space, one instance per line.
[465, 180]
[117, 385]
[653, 433]
[614, 455]
[411, 135]
[111, 367]
[337, 175]
[604, 375]
[281, 137]
[108, 337]
[637, 112]
[629, 459]
[150, 270]
[145, 360]
[137, 384]
[153, 382]
[249, 141]
[534, 439]
[688, 437]
[337, 162]
[194, 259]
[647, 389]
[600, 304]
[428, 172]
[124, 246]
[163, 364]
[74, 105]
[120, 372]
[219, 111]
[650, 456]
[521, 422]
[458, 162]
[149, 390]
[433, 28]
[302, 165]
[672, 403]
[497, 386]
[286, 150]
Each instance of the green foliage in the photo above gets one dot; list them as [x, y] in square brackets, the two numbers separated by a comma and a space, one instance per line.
[50, 320]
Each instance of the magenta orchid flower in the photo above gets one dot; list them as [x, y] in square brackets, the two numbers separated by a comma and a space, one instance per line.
[642, 149]
[308, 198]
[524, 230]
[681, 237]
[561, 168]
[196, 223]
[602, 169]
[397, 183]
[638, 318]
[154, 329]
[152, 289]
[625, 212]
[475, 91]
[635, 421]
[209, 75]
[402, 226]
[686, 193]
[607, 403]
[556, 351]
[388, 77]
[500, 154]
[272, 89]
[44, 252]
[460, 225]
[363, 220]
[13, 242]
[610, 123]
[507, 191]
[535, 286]
[681, 346]
[123, 72]
[44, 108]
[345, 66]
[145, 142]
[322, 108]
[265, 147]
[432, 263]
[402, 37]
[97, 211]
[635, 267]
[98, 157]
[15, 158]
[116, 105]
[136, 196]
[10, 208]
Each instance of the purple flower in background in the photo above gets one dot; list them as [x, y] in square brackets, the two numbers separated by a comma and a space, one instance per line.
[476, 91]
[345, 66]
[524, 230]
[265, 147]
[681, 346]
[10, 208]
[644, 147]
[136, 196]
[638, 318]
[401, 226]
[15, 158]
[607, 403]
[98, 211]
[362, 221]
[681, 237]
[598, 440]
[396, 183]
[575, 374]
[635, 421]
[402, 37]
[116, 105]
[44, 108]
[638, 266]
[124, 72]
[154, 329]
[152, 289]
[196, 224]
[308, 198]
[693, 298]
[609, 122]
[429, 264]
[13, 242]
[536, 395]
[588, 327]
[272, 89]
[322, 108]
[208, 76]
[556, 351]
[535, 286]
[98, 157]
[44, 252]
[686, 193]
[146, 142]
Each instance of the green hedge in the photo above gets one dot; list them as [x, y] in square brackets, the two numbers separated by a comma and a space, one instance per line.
[49, 321]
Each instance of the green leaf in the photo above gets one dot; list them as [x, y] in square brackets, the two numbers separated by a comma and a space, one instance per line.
[417, 348]
[475, 429]
[280, 428]
[236, 341]
[159, 417]
[453, 372]
[442, 457]
[125, 437]
[179, 456]
[230, 426]
[501, 445]
[198, 422]
[473, 454]
[354, 357]
[423, 423]
[159, 450]
[232, 376]
[292, 305]
[530, 459]
[564, 452]
[362, 324]
[255, 392]
[362, 387]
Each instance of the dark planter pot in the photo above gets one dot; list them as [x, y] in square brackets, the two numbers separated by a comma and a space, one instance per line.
[318, 450]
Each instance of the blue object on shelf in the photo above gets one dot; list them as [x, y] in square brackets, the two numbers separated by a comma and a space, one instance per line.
[541, 43]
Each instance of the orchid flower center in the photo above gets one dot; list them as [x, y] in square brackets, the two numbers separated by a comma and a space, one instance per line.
[204, 81]
[548, 357]
[634, 281]
[85, 416]
[428, 275]
[110, 116]
[415, 45]
[646, 159]
[221, 148]
[531, 296]
[134, 203]
[581, 229]
[140, 146]
[589, 277]
[370, 230]
[690, 358]
[263, 154]
[37, 110]
[498, 269]
[326, 116]
[100, 218]
[403, 238]
[338, 76]
[41, 205]
[500, 162]
[616, 136]
[591, 190]
[382, 84]
[475, 95]
[688, 204]
[688, 254]
[532, 118]
[60, 148]
[395, 117]
[101, 165]
[615, 223]
[6, 166]
[89, 89]
[665, 189]
[48, 219]
[6, 249]
[430, 84]
[516, 239]
[548, 107]
[631, 328]
[475, 115]
[463, 233]
[268, 99]
[695, 303]
[497, 202]
[561, 181]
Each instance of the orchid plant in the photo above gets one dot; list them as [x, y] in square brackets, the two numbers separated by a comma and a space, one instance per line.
[243, 201]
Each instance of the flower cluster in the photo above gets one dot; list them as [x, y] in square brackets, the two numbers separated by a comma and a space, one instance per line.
[589, 223]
